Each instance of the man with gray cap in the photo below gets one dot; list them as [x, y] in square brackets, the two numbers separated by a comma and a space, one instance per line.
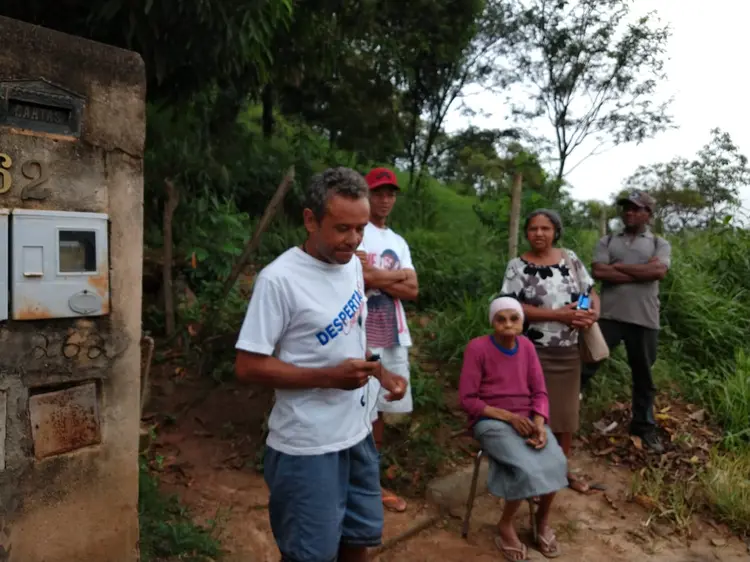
[630, 265]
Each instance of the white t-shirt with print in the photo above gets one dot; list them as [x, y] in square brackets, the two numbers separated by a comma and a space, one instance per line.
[387, 320]
[310, 314]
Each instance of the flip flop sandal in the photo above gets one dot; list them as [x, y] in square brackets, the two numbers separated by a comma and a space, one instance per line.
[548, 546]
[508, 551]
[393, 503]
[578, 485]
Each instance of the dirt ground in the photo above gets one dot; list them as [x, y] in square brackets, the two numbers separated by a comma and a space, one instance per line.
[209, 446]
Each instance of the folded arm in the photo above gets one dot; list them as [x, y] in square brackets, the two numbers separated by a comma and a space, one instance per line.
[376, 278]
[603, 270]
[654, 270]
[408, 289]
[610, 274]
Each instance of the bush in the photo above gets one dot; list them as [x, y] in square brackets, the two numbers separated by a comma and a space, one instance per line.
[452, 328]
[451, 265]
[725, 391]
[427, 392]
[705, 306]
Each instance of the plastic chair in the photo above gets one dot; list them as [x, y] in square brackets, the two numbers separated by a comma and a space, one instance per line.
[472, 496]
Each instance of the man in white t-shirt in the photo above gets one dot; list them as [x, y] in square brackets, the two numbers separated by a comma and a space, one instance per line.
[304, 335]
[389, 278]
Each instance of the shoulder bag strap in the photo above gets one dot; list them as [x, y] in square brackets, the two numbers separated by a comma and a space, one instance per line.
[571, 267]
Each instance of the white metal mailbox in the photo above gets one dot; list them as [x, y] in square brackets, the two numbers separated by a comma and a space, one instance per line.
[60, 264]
[4, 260]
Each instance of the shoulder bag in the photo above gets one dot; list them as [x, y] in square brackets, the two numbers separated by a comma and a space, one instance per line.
[591, 342]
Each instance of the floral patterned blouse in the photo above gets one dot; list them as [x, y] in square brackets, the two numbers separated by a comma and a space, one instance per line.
[548, 286]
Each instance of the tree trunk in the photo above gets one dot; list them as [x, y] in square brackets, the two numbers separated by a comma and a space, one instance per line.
[173, 199]
[560, 171]
[254, 242]
[268, 120]
[603, 222]
[515, 215]
[251, 246]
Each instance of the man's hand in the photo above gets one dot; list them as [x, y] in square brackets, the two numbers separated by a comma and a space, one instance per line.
[395, 385]
[523, 426]
[362, 257]
[352, 374]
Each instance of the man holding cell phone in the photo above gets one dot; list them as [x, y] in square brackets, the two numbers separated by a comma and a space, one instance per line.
[304, 335]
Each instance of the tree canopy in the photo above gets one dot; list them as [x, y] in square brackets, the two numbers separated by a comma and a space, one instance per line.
[588, 69]
[696, 192]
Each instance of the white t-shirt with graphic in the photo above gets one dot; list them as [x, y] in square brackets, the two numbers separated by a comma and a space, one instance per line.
[386, 319]
[310, 314]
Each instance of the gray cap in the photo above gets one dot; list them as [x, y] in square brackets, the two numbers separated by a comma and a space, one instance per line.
[639, 199]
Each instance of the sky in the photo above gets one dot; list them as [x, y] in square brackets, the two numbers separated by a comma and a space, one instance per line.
[705, 76]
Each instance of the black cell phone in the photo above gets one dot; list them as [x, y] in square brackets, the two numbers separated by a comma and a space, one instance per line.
[374, 357]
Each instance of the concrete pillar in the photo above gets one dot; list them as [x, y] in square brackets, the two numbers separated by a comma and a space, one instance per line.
[72, 132]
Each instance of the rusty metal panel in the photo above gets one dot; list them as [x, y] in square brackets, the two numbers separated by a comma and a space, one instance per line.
[64, 420]
[3, 421]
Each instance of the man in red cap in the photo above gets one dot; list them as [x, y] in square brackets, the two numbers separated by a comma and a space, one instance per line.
[389, 278]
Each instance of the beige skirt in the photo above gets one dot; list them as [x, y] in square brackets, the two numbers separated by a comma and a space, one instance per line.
[562, 373]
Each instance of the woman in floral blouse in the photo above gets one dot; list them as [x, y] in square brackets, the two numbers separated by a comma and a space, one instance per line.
[548, 281]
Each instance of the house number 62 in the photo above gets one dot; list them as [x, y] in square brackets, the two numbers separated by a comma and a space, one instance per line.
[33, 170]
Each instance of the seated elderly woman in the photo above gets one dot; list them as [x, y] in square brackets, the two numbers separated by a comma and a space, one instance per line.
[502, 390]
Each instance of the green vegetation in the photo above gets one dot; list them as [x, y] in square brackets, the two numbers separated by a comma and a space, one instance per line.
[167, 531]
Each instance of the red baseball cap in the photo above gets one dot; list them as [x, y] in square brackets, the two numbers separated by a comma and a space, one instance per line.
[378, 177]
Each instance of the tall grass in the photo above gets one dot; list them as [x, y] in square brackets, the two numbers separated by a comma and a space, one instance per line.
[452, 328]
[726, 482]
[726, 392]
[706, 297]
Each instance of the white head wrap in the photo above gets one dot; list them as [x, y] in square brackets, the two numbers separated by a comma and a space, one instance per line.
[504, 303]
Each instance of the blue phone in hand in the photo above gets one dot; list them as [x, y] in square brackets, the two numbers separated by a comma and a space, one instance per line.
[584, 302]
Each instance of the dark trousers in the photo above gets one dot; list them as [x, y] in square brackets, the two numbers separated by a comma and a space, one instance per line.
[640, 346]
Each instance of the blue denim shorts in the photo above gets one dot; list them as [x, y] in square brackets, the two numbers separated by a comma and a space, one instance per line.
[319, 502]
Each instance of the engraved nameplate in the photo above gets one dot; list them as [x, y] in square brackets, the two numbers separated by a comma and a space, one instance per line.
[38, 105]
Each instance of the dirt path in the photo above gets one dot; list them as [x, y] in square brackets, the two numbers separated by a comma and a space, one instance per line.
[209, 462]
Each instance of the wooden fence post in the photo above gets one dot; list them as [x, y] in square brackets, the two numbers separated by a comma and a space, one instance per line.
[254, 242]
[173, 199]
[515, 215]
